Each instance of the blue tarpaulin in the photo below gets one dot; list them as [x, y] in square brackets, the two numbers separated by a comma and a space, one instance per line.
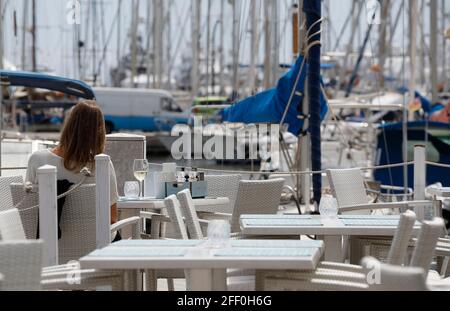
[269, 106]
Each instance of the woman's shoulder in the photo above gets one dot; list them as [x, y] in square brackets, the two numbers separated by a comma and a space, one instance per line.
[42, 155]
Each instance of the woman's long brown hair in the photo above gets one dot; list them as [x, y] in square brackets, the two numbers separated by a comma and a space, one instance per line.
[83, 136]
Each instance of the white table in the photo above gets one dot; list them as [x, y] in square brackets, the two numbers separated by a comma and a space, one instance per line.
[331, 230]
[206, 270]
[132, 208]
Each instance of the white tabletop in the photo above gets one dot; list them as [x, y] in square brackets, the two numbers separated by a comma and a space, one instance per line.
[317, 225]
[191, 254]
[211, 205]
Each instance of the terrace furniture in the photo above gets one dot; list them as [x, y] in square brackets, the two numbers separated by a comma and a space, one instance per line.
[205, 266]
[1, 281]
[20, 265]
[5, 191]
[54, 277]
[332, 279]
[223, 186]
[349, 189]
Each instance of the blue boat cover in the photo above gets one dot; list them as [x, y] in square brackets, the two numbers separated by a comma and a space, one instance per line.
[269, 106]
[37, 80]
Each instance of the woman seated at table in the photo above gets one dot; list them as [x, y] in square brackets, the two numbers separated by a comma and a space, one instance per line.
[82, 138]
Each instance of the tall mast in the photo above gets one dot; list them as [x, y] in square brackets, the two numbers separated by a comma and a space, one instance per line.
[1, 39]
[385, 8]
[267, 46]
[149, 30]
[235, 43]
[24, 33]
[208, 46]
[222, 51]
[169, 44]
[33, 34]
[196, 15]
[445, 15]
[433, 50]
[119, 29]
[275, 41]
[158, 42]
[254, 46]
[134, 28]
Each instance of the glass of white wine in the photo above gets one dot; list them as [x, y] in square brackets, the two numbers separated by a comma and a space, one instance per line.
[140, 169]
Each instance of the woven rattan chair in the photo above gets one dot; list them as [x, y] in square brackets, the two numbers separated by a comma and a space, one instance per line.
[226, 186]
[351, 273]
[55, 277]
[20, 265]
[5, 191]
[349, 189]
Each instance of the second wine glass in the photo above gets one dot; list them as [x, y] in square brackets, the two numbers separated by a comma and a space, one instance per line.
[140, 170]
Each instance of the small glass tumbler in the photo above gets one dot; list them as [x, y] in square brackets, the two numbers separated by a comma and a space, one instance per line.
[131, 189]
[328, 207]
[219, 232]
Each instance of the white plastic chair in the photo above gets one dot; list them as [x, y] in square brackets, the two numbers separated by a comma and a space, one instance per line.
[21, 264]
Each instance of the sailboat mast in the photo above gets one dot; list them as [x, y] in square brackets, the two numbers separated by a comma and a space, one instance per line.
[275, 41]
[235, 40]
[444, 44]
[158, 41]
[433, 50]
[119, 29]
[267, 45]
[24, 33]
[222, 51]
[208, 46]
[385, 8]
[169, 44]
[134, 28]
[196, 14]
[254, 46]
[1, 36]
[33, 35]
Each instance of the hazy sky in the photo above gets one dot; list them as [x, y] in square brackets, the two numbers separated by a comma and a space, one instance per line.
[56, 37]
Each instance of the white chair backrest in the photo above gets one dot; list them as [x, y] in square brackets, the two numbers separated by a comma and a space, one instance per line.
[6, 202]
[402, 238]
[190, 215]
[219, 186]
[385, 277]
[78, 220]
[176, 217]
[29, 216]
[426, 243]
[2, 278]
[21, 265]
[256, 197]
[78, 224]
[11, 227]
[348, 186]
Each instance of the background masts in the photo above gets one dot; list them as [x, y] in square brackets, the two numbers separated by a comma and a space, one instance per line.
[433, 50]
[196, 15]
[33, 35]
[158, 43]
[254, 46]
[221, 49]
[134, 29]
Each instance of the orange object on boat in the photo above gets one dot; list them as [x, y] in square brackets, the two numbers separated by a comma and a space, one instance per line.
[442, 116]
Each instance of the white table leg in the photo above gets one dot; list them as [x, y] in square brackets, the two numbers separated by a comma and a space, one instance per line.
[333, 248]
[199, 280]
[219, 280]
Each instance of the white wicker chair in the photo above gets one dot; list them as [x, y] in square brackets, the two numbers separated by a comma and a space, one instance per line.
[21, 264]
[349, 189]
[2, 278]
[220, 186]
[28, 215]
[5, 192]
[54, 277]
[256, 197]
[351, 273]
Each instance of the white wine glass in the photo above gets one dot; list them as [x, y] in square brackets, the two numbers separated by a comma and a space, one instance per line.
[140, 169]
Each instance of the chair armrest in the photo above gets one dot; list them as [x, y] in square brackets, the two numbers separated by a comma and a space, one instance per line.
[341, 267]
[132, 221]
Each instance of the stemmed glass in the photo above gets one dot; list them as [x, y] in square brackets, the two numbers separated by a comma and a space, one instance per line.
[140, 169]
